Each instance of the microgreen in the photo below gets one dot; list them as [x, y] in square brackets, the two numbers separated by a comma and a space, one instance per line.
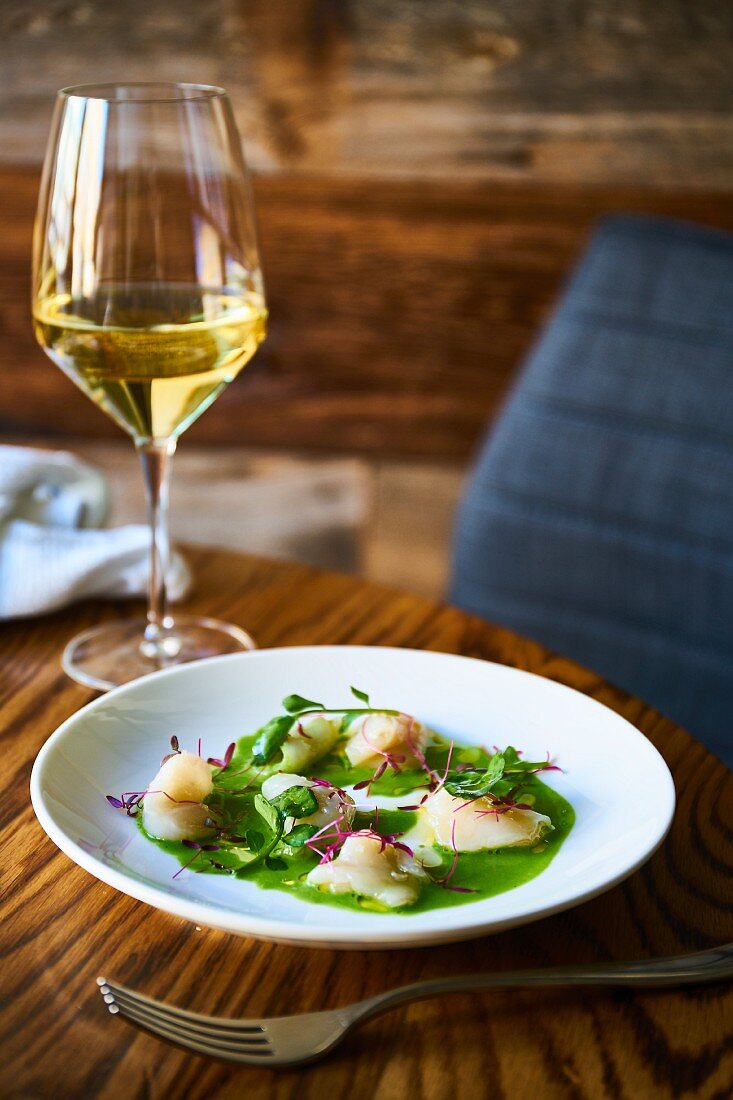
[200, 847]
[254, 839]
[197, 850]
[273, 734]
[296, 802]
[271, 737]
[389, 760]
[129, 801]
[267, 812]
[328, 840]
[445, 880]
[476, 782]
[347, 717]
[504, 772]
[295, 704]
[274, 863]
[275, 824]
[225, 761]
[300, 835]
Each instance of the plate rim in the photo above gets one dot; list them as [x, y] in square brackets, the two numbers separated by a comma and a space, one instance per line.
[289, 932]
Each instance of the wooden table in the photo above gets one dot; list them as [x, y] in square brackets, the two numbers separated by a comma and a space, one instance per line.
[62, 928]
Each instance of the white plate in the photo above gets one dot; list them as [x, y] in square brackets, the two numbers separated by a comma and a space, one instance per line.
[617, 782]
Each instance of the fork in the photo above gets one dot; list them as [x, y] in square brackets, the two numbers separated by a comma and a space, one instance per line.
[293, 1040]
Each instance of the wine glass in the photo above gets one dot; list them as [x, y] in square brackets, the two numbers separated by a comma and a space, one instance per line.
[147, 292]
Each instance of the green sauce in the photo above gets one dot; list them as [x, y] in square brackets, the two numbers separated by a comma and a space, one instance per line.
[485, 873]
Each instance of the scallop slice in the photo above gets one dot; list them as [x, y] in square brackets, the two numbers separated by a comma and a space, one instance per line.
[471, 827]
[173, 806]
[332, 805]
[376, 734]
[363, 867]
[308, 740]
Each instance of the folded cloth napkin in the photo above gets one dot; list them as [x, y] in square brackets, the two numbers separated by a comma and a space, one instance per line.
[51, 551]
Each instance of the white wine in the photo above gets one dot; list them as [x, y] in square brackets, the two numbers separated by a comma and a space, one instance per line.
[153, 356]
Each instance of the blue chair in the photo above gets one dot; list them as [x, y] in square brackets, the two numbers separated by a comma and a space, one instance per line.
[598, 518]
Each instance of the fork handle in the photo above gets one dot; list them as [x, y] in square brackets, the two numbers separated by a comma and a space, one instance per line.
[674, 970]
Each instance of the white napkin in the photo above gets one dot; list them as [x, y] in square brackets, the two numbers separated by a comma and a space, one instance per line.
[50, 550]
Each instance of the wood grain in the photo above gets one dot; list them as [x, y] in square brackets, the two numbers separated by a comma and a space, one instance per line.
[61, 928]
[589, 91]
[399, 310]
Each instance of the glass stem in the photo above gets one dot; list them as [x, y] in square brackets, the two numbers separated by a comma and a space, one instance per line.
[155, 459]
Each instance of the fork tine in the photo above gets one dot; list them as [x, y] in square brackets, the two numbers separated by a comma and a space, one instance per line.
[193, 1031]
[170, 1013]
[230, 1050]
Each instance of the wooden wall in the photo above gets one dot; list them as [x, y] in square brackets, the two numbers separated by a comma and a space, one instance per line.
[425, 176]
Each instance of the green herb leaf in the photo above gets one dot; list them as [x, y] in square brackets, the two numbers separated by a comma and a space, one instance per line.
[254, 839]
[295, 802]
[348, 717]
[274, 863]
[516, 766]
[270, 738]
[267, 812]
[476, 783]
[297, 837]
[294, 704]
[503, 788]
[495, 768]
[270, 815]
[361, 695]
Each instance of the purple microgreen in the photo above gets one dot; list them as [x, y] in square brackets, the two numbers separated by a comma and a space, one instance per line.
[402, 847]
[445, 879]
[128, 801]
[174, 743]
[333, 837]
[418, 805]
[225, 761]
[389, 760]
[193, 858]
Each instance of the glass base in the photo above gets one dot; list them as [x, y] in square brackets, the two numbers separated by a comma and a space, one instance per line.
[115, 653]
